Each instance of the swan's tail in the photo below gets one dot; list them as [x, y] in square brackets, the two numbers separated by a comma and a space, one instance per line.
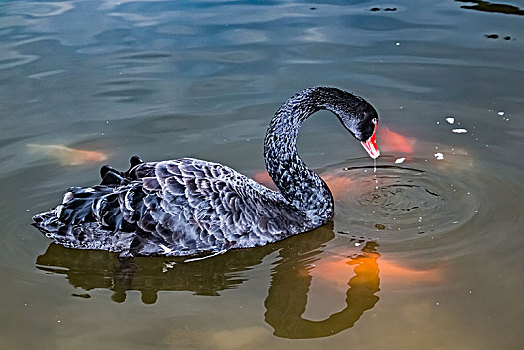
[88, 218]
[46, 222]
[96, 217]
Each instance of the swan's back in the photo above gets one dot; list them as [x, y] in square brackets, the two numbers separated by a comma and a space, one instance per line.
[177, 207]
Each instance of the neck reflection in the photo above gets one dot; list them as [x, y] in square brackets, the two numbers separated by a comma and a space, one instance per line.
[288, 293]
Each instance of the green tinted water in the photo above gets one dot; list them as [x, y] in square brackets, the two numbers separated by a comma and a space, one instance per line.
[430, 259]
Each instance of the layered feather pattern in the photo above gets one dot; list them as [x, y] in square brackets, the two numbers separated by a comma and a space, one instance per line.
[177, 207]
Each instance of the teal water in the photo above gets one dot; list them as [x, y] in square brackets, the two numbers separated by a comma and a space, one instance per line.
[431, 259]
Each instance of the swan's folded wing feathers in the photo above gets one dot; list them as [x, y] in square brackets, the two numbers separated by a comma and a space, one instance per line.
[172, 185]
[219, 205]
[141, 171]
[151, 184]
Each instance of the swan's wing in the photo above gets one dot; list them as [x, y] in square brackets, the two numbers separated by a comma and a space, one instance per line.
[207, 206]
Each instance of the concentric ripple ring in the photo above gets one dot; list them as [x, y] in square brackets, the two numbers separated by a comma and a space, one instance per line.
[398, 202]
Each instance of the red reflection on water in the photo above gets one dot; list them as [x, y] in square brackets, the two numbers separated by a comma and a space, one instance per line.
[394, 142]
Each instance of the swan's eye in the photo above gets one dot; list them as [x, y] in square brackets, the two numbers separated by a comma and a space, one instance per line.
[374, 121]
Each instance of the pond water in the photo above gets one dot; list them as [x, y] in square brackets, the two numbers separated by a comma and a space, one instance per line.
[425, 253]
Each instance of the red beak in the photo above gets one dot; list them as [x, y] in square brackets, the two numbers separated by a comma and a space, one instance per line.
[371, 145]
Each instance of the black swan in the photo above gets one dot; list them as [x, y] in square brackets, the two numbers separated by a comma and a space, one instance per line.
[187, 206]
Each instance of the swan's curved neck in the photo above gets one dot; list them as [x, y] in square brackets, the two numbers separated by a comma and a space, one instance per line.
[299, 185]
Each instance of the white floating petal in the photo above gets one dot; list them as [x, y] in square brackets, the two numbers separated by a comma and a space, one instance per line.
[400, 160]
[459, 131]
[439, 156]
[450, 120]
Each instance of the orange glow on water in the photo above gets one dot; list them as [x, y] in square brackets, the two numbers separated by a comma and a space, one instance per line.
[337, 184]
[67, 156]
[394, 142]
[338, 270]
[262, 177]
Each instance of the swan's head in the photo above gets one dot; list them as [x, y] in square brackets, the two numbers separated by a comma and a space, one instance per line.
[360, 119]
[367, 134]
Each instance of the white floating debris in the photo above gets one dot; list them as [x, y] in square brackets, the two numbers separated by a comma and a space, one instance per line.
[167, 266]
[397, 43]
[400, 160]
[439, 156]
[459, 131]
[357, 244]
[450, 120]
[500, 113]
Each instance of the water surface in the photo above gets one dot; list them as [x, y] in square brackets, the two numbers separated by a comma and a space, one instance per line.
[430, 259]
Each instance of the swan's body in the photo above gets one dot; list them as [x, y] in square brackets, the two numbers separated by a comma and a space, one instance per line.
[188, 206]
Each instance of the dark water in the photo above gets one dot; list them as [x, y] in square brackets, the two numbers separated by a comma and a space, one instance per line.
[423, 254]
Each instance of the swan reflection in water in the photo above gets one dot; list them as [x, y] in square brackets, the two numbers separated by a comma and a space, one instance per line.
[89, 269]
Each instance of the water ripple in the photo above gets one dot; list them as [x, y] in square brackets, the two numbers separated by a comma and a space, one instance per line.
[16, 60]
[400, 203]
[40, 9]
